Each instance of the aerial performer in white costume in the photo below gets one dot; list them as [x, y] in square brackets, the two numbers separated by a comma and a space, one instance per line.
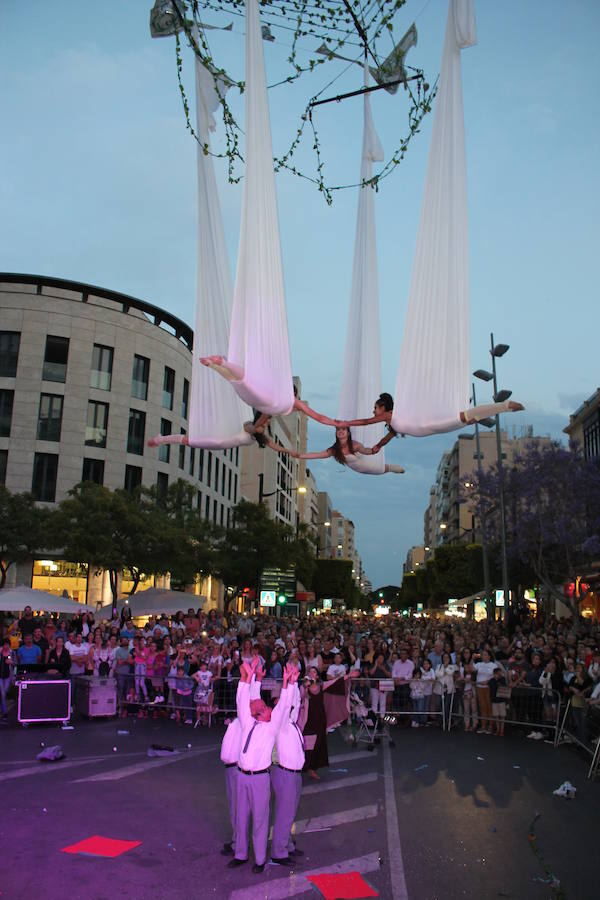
[347, 452]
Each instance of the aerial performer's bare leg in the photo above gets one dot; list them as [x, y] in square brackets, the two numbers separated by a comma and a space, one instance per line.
[477, 413]
[220, 364]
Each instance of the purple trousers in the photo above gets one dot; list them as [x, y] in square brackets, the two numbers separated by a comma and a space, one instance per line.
[287, 787]
[231, 774]
[253, 799]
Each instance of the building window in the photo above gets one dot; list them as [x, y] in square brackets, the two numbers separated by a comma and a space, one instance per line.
[102, 365]
[223, 474]
[201, 464]
[229, 485]
[237, 456]
[168, 388]
[133, 478]
[215, 505]
[228, 518]
[185, 399]
[222, 514]
[137, 430]
[55, 359]
[6, 410]
[216, 474]
[93, 470]
[9, 353]
[3, 465]
[164, 450]
[162, 483]
[235, 487]
[208, 467]
[140, 377]
[50, 417]
[199, 501]
[192, 461]
[182, 453]
[207, 507]
[97, 424]
[43, 484]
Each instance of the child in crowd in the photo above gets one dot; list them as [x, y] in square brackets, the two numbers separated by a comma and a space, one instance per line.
[427, 679]
[419, 699]
[141, 656]
[497, 680]
[183, 697]
[203, 695]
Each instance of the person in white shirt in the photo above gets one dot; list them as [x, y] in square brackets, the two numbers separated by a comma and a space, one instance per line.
[337, 669]
[485, 670]
[286, 780]
[230, 753]
[259, 730]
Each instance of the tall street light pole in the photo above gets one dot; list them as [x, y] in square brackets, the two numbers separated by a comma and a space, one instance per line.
[498, 350]
[489, 601]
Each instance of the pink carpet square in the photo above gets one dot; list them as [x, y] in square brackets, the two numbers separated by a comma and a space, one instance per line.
[101, 846]
[345, 886]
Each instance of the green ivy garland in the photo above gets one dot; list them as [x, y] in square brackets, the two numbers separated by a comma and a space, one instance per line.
[329, 22]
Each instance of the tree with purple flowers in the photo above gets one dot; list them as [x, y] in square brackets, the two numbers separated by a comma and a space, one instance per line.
[552, 502]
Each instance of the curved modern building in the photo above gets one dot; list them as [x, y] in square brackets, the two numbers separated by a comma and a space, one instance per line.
[87, 375]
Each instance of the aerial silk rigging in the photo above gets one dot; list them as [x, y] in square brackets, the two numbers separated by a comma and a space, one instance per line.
[258, 363]
[361, 378]
[433, 381]
[217, 414]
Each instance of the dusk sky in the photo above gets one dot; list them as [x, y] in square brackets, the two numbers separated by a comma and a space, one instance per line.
[98, 185]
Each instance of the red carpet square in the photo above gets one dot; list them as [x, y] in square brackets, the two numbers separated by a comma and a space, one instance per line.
[345, 886]
[101, 846]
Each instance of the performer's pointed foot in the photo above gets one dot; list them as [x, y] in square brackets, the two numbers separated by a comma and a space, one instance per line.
[257, 869]
[514, 406]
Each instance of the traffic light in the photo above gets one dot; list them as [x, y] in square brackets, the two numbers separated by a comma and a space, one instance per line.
[381, 593]
[281, 599]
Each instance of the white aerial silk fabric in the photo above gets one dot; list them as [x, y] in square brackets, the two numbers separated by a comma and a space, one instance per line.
[258, 340]
[361, 379]
[216, 412]
[433, 382]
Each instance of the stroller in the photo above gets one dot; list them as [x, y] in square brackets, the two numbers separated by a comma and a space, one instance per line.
[372, 726]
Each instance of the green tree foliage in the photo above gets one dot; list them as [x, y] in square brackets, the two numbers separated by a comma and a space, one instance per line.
[255, 543]
[333, 578]
[23, 530]
[115, 530]
[457, 571]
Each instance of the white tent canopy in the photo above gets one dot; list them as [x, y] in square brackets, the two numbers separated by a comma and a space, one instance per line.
[17, 598]
[155, 601]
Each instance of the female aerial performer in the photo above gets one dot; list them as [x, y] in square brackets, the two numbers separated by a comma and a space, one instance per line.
[384, 408]
[346, 451]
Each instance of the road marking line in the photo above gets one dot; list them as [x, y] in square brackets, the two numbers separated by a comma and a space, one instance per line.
[45, 768]
[339, 783]
[154, 763]
[356, 754]
[396, 863]
[296, 883]
[330, 820]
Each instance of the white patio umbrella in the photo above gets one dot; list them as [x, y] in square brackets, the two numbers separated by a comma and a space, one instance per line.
[17, 598]
[154, 601]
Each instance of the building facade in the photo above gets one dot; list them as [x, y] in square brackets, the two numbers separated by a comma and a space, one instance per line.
[584, 427]
[87, 375]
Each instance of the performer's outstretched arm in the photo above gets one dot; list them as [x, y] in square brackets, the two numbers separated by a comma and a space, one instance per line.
[302, 406]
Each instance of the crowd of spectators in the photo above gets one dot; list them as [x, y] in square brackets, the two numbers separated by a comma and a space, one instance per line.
[187, 665]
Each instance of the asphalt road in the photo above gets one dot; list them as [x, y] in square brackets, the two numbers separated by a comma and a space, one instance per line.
[424, 819]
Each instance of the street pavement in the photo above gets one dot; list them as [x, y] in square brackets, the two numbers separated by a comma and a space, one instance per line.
[435, 816]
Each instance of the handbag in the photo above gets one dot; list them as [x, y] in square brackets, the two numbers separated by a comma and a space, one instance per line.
[104, 669]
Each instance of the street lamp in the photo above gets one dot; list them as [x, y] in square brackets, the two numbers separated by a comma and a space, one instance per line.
[496, 351]
[489, 603]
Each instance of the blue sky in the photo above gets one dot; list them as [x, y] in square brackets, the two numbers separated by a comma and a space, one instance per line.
[98, 185]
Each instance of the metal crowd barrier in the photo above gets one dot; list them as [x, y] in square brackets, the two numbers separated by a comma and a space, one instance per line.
[526, 707]
[581, 726]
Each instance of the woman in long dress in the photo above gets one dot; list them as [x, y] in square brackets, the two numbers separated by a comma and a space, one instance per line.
[315, 729]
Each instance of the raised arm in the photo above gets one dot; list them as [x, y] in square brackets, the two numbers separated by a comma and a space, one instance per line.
[318, 417]
[382, 417]
[242, 697]
[282, 710]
